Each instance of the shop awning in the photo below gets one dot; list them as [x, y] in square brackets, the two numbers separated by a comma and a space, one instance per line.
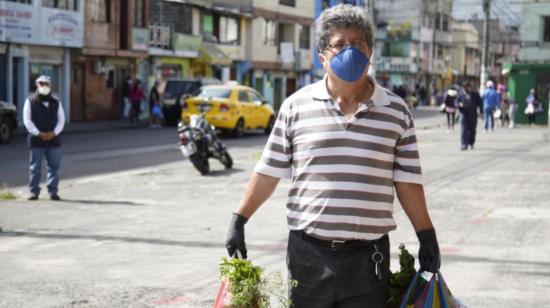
[211, 54]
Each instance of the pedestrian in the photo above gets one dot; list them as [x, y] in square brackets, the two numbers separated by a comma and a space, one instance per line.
[136, 96]
[44, 119]
[346, 143]
[126, 86]
[469, 103]
[450, 102]
[532, 102]
[423, 95]
[491, 101]
[512, 108]
[154, 106]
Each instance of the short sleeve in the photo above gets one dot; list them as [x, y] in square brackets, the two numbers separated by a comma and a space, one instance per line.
[407, 160]
[276, 159]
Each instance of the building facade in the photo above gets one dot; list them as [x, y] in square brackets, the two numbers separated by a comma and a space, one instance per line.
[38, 37]
[466, 53]
[281, 52]
[425, 32]
[532, 70]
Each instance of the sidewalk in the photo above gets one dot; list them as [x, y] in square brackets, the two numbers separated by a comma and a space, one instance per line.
[425, 117]
[95, 126]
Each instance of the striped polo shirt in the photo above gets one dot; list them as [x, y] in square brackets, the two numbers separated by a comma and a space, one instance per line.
[342, 170]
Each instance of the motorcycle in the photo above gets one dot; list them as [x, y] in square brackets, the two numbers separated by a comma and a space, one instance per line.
[199, 141]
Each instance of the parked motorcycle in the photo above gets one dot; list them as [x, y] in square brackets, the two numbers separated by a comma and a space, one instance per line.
[199, 142]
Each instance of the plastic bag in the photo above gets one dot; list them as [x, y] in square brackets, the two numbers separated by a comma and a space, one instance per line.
[223, 299]
[434, 294]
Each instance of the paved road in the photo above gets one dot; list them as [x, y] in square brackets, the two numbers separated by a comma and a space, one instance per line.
[146, 230]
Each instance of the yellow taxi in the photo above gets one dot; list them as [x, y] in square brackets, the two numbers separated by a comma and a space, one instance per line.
[231, 108]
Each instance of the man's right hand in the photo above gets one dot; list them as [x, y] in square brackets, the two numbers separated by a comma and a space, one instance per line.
[235, 235]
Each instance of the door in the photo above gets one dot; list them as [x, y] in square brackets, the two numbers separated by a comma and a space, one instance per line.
[261, 114]
[119, 78]
[277, 91]
[78, 105]
[247, 108]
[290, 86]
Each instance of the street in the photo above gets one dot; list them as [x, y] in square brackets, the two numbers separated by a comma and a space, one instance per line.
[140, 227]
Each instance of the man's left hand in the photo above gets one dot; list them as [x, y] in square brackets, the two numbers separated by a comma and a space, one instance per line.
[428, 254]
[49, 136]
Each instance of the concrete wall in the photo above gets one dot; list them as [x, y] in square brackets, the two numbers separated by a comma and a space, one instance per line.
[302, 8]
[260, 51]
[531, 31]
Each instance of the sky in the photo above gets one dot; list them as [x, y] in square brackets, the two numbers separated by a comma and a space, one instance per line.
[509, 11]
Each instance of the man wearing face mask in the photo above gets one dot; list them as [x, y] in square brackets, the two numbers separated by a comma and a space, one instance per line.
[346, 143]
[44, 119]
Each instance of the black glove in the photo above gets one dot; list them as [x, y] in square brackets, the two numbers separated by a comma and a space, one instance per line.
[428, 254]
[235, 236]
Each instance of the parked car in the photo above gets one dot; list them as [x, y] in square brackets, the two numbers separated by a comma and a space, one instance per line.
[174, 92]
[232, 108]
[8, 121]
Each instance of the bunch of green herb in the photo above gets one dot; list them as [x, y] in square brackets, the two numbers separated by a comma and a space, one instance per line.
[400, 281]
[249, 287]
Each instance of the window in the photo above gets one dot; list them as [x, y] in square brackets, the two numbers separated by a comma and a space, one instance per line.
[256, 98]
[445, 26]
[288, 2]
[270, 31]
[229, 30]
[138, 14]
[243, 97]
[304, 37]
[546, 30]
[70, 5]
[438, 21]
[100, 10]
[207, 26]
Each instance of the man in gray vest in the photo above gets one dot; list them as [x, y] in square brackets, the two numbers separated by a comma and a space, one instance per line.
[44, 119]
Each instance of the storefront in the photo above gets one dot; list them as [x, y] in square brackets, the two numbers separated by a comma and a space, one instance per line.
[212, 62]
[522, 77]
[37, 40]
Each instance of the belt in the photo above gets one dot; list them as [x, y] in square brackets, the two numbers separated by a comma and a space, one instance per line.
[334, 245]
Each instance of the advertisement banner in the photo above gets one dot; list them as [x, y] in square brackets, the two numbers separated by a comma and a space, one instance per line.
[33, 24]
[140, 39]
[186, 45]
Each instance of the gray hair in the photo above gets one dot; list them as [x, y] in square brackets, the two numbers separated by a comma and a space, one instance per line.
[342, 16]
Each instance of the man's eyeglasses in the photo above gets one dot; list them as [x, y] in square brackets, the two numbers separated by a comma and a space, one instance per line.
[336, 48]
[42, 84]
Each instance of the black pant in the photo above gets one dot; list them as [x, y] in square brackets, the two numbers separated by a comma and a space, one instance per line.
[451, 120]
[531, 118]
[343, 279]
[468, 124]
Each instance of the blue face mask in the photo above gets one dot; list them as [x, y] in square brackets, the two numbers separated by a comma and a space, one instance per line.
[349, 64]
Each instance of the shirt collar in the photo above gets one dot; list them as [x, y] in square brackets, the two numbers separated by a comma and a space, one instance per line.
[378, 98]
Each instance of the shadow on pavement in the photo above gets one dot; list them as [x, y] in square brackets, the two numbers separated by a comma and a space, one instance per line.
[152, 241]
[102, 202]
[225, 172]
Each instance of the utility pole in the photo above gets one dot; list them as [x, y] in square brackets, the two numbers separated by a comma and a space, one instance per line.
[370, 12]
[485, 53]
[431, 74]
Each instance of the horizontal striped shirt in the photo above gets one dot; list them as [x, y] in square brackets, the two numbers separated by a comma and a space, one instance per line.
[343, 171]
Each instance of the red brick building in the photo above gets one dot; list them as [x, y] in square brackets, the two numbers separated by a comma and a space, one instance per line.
[115, 46]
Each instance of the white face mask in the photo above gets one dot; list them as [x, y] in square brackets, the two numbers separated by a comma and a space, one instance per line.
[44, 90]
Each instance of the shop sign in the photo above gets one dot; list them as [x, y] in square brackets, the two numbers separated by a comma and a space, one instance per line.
[396, 64]
[232, 51]
[33, 24]
[186, 45]
[140, 39]
[16, 21]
